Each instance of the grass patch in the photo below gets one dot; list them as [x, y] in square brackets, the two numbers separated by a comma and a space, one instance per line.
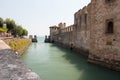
[3, 29]
[17, 43]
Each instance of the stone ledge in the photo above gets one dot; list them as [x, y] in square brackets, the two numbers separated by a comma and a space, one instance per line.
[111, 64]
[12, 68]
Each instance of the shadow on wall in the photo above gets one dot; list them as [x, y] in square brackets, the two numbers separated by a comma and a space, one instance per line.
[89, 71]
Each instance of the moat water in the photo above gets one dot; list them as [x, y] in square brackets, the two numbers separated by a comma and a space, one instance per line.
[53, 62]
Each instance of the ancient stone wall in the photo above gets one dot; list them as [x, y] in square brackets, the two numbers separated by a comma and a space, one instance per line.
[95, 31]
[53, 32]
[64, 35]
[105, 32]
[82, 29]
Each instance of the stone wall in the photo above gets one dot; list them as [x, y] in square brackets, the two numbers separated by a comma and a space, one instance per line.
[63, 35]
[82, 30]
[95, 31]
[105, 41]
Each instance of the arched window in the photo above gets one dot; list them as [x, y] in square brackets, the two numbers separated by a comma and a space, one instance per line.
[110, 26]
[86, 18]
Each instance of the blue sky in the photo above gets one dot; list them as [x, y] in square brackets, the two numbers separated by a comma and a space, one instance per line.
[38, 15]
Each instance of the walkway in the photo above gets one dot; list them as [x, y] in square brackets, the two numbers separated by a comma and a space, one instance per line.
[3, 45]
[11, 67]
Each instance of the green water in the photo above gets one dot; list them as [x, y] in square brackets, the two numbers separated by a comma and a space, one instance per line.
[53, 62]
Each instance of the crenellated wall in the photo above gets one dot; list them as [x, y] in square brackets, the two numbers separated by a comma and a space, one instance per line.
[95, 33]
[82, 29]
[62, 34]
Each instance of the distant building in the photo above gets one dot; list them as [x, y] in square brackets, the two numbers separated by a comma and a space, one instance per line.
[30, 36]
[3, 31]
[33, 39]
[4, 26]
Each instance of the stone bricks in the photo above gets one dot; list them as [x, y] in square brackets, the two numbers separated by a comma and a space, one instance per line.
[95, 30]
[105, 45]
[12, 68]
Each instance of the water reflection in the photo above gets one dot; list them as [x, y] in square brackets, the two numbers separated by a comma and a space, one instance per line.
[53, 62]
[88, 71]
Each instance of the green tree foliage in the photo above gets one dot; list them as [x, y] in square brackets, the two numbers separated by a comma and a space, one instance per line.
[1, 22]
[10, 24]
[12, 27]
[19, 31]
[25, 32]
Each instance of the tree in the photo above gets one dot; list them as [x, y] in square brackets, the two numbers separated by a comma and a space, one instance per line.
[17, 31]
[12, 27]
[10, 24]
[25, 32]
[1, 22]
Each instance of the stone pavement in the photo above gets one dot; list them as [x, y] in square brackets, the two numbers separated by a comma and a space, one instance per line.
[3, 45]
[12, 68]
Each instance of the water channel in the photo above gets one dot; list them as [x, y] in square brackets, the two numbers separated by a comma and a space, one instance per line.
[53, 62]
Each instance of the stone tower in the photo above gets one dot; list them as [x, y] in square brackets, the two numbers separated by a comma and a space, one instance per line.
[62, 25]
[105, 33]
[53, 30]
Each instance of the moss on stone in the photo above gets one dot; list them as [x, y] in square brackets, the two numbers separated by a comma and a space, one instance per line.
[18, 44]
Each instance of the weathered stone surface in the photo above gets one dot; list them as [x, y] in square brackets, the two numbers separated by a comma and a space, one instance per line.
[105, 47]
[90, 32]
[12, 68]
[3, 45]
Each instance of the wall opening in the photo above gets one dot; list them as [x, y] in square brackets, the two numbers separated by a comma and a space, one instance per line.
[85, 18]
[109, 1]
[110, 26]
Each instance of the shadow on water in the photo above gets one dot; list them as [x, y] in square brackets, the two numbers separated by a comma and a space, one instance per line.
[89, 71]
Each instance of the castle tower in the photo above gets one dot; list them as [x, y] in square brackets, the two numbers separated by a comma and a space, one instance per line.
[62, 25]
[53, 31]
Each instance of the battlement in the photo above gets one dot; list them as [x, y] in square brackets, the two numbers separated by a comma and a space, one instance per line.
[95, 31]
